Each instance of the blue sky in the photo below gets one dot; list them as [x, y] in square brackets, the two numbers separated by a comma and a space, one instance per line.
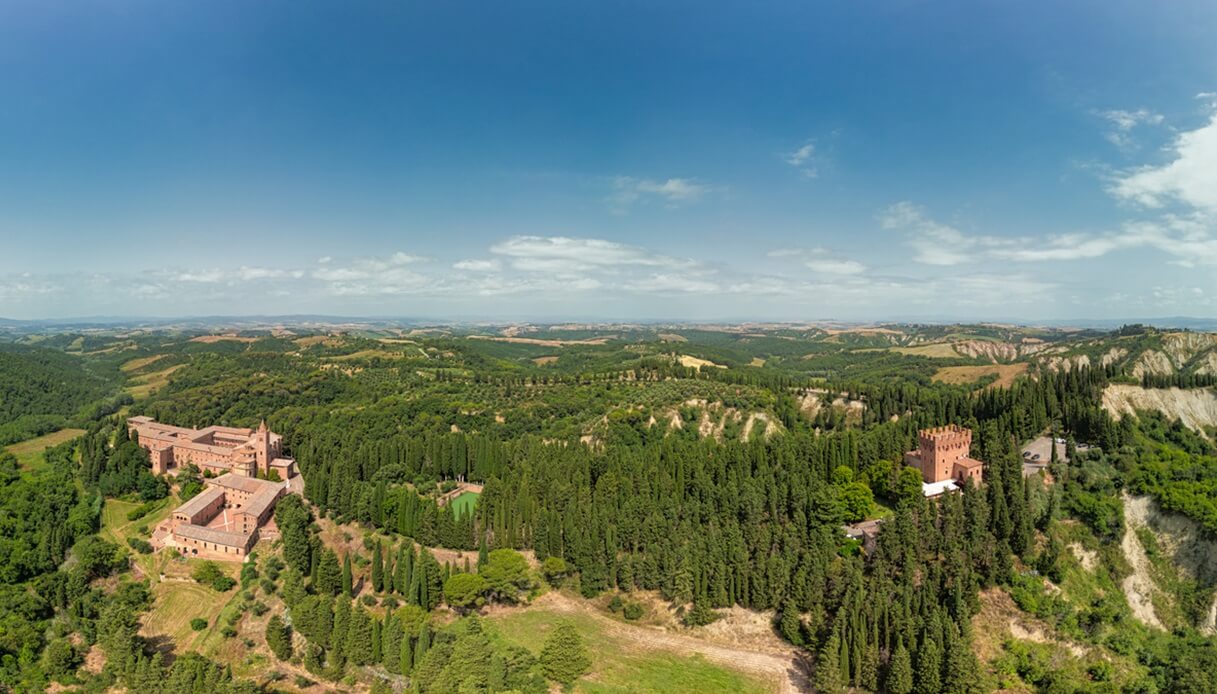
[651, 160]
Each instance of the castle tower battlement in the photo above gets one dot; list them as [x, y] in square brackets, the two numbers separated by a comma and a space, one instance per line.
[944, 454]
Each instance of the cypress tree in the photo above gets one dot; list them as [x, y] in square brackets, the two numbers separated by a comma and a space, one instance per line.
[424, 644]
[791, 625]
[390, 643]
[900, 670]
[405, 660]
[929, 668]
[378, 569]
[828, 667]
[347, 580]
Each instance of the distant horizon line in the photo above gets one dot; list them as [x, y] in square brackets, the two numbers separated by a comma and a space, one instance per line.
[216, 319]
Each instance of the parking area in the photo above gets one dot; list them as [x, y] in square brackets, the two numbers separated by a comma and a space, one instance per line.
[1038, 453]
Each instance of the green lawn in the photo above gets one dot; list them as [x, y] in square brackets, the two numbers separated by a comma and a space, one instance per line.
[464, 503]
[618, 664]
[29, 452]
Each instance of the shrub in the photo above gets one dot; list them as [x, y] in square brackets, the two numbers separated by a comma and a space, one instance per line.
[198, 624]
[368, 600]
[140, 511]
[633, 611]
[139, 545]
[207, 572]
[555, 569]
[615, 604]
[223, 584]
[228, 632]
[268, 586]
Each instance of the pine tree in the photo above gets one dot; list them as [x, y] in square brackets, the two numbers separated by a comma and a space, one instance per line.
[360, 647]
[564, 658]
[329, 575]
[900, 671]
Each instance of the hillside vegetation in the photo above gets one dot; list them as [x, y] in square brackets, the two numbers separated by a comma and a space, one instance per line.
[629, 473]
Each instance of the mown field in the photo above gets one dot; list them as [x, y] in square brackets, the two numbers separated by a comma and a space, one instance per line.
[622, 664]
[29, 453]
[958, 375]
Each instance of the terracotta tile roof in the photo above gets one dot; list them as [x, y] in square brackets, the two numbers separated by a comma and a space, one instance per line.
[200, 501]
[219, 537]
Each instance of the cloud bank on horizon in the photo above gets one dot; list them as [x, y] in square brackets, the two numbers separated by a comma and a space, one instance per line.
[949, 161]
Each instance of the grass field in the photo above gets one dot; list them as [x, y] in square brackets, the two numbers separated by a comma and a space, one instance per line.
[178, 599]
[140, 362]
[115, 526]
[29, 452]
[956, 375]
[465, 502]
[620, 664]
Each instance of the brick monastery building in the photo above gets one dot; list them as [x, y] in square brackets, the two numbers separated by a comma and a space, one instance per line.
[223, 520]
[218, 450]
[226, 519]
[944, 459]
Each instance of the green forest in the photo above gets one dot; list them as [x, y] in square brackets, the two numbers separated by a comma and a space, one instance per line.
[610, 471]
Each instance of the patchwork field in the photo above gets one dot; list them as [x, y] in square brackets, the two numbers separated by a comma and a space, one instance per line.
[29, 452]
[958, 375]
[145, 385]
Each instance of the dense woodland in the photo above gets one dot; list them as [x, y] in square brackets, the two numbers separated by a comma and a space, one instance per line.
[577, 471]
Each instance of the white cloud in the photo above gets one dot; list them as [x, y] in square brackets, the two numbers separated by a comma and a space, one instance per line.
[1189, 178]
[373, 276]
[934, 243]
[785, 252]
[478, 265]
[628, 190]
[673, 282]
[203, 276]
[835, 266]
[15, 288]
[803, 159]
[570, 255]
[1123, 122]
